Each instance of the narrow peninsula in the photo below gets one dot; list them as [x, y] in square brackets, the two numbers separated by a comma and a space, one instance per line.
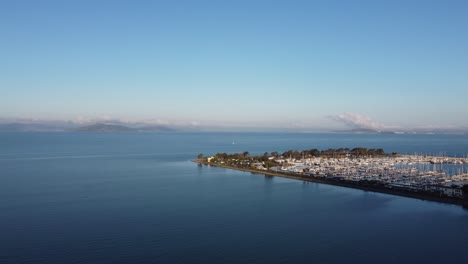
[428, 177]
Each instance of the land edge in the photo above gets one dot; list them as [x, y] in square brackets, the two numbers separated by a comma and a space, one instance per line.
[342, 183]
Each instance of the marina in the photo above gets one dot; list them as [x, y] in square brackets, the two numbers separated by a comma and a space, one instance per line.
[439, 177]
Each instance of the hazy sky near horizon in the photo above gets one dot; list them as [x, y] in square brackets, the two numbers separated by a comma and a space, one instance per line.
[237, 63]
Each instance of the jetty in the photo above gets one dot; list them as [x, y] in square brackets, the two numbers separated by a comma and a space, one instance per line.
[434, 178]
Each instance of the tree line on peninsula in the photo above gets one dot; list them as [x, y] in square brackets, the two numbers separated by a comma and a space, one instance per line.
[358, 152]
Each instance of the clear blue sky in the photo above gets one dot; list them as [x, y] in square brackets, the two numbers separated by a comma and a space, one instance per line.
[252, 63]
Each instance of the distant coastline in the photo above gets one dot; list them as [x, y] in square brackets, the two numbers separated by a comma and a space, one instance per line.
[7, 125]
[102, 127]
[96, 127]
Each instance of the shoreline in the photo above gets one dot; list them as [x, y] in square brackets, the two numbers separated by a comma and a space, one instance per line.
[348, 184]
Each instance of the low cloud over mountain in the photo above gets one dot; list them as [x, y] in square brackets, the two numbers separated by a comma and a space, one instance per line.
[357, 121]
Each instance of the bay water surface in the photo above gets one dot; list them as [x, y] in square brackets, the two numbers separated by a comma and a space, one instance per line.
[137, 198]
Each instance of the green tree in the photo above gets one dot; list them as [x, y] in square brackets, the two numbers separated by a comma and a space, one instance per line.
[296, 154]
[200, 156]
[314, 152]
[287, 154]
[380, 152]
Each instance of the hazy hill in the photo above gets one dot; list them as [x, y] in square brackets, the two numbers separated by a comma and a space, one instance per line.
[101, 127]
[23, 127]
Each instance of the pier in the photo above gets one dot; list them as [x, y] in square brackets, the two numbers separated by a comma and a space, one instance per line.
[435, 178]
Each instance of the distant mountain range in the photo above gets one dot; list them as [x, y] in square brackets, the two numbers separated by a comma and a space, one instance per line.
[366, 131]
[99, 127]
[102, 128]
[416, 131]
[37, 126]
[26, 127]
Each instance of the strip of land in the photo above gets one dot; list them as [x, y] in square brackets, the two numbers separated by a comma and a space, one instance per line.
[421, 177]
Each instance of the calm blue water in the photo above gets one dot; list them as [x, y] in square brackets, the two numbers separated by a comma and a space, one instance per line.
[137, 198]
